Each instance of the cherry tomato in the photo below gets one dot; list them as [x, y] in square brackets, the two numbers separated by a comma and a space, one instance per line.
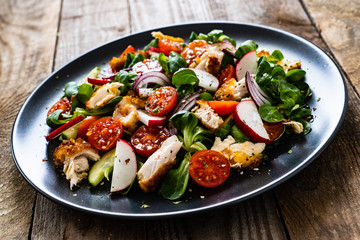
[84, 126]
[146, 66]
[161, 101]
[104, 132]
[209, 168]
[118, 63]
[223, 107]
[226, 73]
[146, 140]
[63, 104]
[194, 50]
[168, 45]
[274, 130]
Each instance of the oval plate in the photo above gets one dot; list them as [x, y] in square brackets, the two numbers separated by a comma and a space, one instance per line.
[29, 147]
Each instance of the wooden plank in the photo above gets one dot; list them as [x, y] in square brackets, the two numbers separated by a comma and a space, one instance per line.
[339, 25]
[84, 26]
[256, 218]
[325, 196]
[27, 40]
[285, 15]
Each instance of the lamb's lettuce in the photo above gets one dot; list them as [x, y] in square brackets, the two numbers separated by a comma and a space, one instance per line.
[213, 36]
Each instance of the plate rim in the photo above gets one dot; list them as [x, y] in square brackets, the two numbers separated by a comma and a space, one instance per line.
[199, 210]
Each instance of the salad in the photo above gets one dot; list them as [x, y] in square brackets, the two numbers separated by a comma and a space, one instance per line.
[175, 111]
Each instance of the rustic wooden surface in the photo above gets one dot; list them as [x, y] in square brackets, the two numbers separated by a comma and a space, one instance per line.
[321, 202]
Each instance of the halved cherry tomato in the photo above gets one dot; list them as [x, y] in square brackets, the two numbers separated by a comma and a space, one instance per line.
[274, 130]
[161, 101]
[146, 140]
[194, 50]
[146, 66]
[226, 73]
[63, 104]
[118, 63]
[223, 107]
[168, 45]
[209, 168]
[84, 126]
[104, 132]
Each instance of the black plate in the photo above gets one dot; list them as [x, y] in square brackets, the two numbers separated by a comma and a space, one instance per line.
[329, 98]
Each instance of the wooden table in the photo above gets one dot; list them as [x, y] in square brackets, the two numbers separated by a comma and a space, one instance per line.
[321, 202]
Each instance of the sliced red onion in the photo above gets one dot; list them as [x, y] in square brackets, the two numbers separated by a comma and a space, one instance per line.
[228, 52]
[111, 77]
[255, 92]
[186, 103]
[151, 78]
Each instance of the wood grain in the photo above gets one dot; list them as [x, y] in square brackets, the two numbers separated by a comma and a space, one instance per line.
[83, 26]
[27, 40]
[319, 203]
[339, 25]
[325, 196]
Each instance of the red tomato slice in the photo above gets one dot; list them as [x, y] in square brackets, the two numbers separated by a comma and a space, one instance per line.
[146, 140]
[63, 104]
[168, 45]
[161, 101]
[104, 132]
[223, 107]
[194, 50]
[226, 73]
[84, 126]
[209, 168]
[274, 130]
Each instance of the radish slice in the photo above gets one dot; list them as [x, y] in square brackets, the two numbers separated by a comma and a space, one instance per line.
[144, 92]
[157, 50]
[125, 167]
[153, 77]
[220, 46]
[246, 63]
[206, 80]
[62, 128]
[151, 121]
[256, 93]
[248, 119]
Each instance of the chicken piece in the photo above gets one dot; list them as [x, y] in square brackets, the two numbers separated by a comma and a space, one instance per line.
[289, 65]
[240, 155]
[73, 155]
[297, 127]
[103, 95]
[209, 118]
[210, 61]
[158, 164]
[232, 90]
[126, 111]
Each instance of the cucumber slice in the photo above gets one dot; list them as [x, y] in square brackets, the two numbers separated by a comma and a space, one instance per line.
[70, 132]
[102, 168]
[92, 74]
